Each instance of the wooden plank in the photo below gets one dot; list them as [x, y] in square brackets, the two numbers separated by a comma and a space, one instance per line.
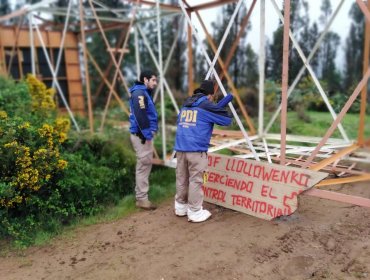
[73, 71]
[333, 158]
[17, 13]
[76, 102]
[54, 38]
[71, 56]
[355, 200]
[51, 38]
[24, 39]
[351, 179]
[75, 88]
[211, 5]
[331, 169]
[7, 37]
[231, 133]
[261, 189]
[44, 37]
[70, 40]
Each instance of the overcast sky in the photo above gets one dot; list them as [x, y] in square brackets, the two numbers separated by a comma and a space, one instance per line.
[340, 25]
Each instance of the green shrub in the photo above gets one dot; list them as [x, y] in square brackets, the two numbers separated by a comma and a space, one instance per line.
[14, 98]
[46, 180]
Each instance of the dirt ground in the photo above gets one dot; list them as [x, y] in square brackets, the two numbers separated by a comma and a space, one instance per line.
[321, 240]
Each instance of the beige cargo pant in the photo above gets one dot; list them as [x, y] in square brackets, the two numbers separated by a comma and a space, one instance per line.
[144, 156]
[189, 178]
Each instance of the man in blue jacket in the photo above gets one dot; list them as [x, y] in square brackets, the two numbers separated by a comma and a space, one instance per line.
[143, 126]
[194, 130]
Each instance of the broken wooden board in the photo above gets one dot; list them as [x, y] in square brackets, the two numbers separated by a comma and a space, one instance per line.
[260, 189]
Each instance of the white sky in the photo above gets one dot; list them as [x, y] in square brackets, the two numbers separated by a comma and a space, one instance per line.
[340, 25]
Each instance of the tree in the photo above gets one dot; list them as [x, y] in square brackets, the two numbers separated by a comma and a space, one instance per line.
[313, 35]
[61, 19]
[328, 52]
[4, 7]
[98, 48]
[238, 62]
[329, 69]
[354, 48]
[250, 75]
[275, 58]
[275, 55]
[170, 26]
[299, 20]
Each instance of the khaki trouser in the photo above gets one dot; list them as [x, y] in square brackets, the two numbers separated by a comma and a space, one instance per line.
[144, 156]
[189, 178]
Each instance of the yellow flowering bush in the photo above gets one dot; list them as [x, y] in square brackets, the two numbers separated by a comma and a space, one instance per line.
[42, 97]
[32, 167]
[3, 115]
[31, 153]
[46, 179]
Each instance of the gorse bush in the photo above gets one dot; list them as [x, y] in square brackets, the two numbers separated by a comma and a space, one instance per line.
[31, 153]
[46, 178]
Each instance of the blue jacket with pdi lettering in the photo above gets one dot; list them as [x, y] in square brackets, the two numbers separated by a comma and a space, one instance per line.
[196, 119]
[143, 115]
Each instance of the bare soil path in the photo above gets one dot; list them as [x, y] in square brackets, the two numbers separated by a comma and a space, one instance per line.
[322, 240]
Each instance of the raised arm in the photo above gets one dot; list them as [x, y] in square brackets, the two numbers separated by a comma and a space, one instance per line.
[224, 101]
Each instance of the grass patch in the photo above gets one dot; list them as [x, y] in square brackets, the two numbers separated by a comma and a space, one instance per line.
[162, 187]
[163, 183]
[319, 123]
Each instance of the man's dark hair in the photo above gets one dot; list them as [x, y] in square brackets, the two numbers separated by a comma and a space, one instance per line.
[146, 74]
[208, 86]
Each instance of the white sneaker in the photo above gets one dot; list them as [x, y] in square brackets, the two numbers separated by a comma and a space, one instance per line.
[181, 209]
[198, 216]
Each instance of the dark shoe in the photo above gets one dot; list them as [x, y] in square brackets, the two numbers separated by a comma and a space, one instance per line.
[145, 204]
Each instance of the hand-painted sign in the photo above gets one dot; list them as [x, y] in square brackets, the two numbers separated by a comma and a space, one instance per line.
[260, 189]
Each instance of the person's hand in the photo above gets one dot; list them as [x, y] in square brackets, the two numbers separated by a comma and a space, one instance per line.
[142, 138]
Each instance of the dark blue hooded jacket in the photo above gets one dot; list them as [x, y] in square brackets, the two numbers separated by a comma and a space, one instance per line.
[143, 115]
[196, 119]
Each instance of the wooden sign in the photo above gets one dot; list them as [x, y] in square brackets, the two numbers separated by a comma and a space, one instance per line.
[260, 189]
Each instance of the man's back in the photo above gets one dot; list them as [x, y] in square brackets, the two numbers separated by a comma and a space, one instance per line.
[195, 123]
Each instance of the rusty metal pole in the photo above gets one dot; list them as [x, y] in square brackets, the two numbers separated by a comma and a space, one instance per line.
[284, 81]
[87, 78]
[361, 128]
[190, 60]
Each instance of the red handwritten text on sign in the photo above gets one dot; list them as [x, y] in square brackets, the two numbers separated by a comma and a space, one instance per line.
[260, 189]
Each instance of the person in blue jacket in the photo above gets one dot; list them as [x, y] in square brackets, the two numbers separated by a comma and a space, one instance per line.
[194, 130]
[143, 125]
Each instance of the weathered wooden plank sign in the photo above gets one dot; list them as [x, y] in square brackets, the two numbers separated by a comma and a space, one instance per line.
[260, 189]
